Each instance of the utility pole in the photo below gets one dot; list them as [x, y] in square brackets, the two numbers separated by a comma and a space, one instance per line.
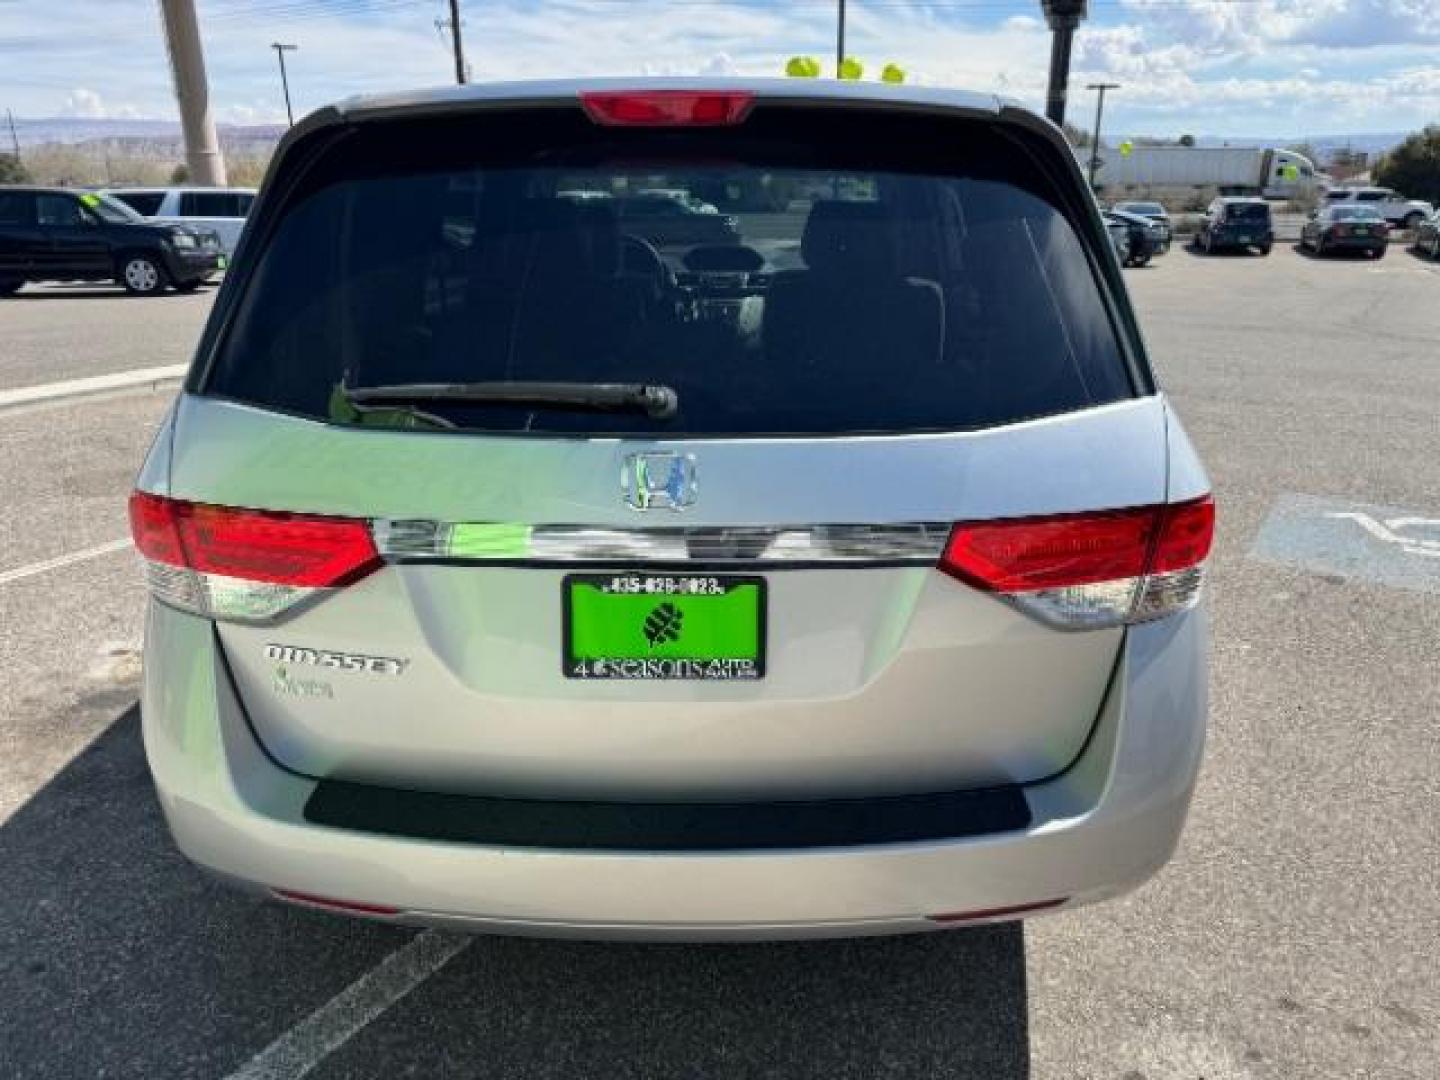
[840, 38]
[192, 92]
[1095, 135]
[280, 51]
[1062, 16]
[455, 38]
[14, 139]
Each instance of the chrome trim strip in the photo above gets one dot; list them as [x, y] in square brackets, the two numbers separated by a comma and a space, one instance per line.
[917, 543]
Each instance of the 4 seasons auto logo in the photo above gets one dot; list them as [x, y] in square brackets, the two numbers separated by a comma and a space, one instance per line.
[664, 625]
[728, 669]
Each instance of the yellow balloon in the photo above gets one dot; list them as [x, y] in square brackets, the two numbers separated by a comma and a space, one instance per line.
[893, 73]
[802, 67]
[1126, 148]
[850, 68]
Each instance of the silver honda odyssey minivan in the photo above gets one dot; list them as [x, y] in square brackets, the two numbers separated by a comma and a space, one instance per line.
[525, 563]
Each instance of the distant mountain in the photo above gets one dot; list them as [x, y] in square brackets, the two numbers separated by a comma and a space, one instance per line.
[1368, 142]
[159, 136]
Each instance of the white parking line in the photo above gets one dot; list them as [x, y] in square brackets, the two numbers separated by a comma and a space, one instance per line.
[152, 378]
[324, 1031]
[20, 573]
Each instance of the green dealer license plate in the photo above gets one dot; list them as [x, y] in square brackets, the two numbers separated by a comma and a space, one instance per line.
[664, 626]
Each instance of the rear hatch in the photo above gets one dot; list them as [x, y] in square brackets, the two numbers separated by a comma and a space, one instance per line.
[655, 517]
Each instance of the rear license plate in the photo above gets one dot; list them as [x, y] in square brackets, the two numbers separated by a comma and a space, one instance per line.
[664, 626]
[1362, 230]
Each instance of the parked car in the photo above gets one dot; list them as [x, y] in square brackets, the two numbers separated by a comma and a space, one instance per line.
[1119, 237]
[221, 210]
[1346, 227]
[668, 221]
[1235, 222]
[1396, 209]
[54, 234]
[680, 195]
[1144, 239]
[1152, 210]
[488, 593]
[1427, 236]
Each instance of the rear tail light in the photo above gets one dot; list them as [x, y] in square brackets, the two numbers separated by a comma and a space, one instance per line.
[667, 108]
[1340, 230]
[244, 565]
[1084, 571]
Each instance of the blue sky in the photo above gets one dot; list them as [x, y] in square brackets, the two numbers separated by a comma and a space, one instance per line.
[1209, 67]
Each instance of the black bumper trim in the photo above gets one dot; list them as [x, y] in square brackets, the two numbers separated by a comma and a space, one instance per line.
[655, 826]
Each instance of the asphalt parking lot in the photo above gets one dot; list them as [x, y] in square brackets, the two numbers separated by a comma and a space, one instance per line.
[1296, 934]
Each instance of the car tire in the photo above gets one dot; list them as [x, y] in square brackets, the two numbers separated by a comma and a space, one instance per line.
[141, 275]
[1378, 253]
[10, 286]
[1320, 247]
[186, 286]
[1264, 250]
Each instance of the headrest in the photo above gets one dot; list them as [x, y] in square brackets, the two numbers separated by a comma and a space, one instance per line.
[850, 238]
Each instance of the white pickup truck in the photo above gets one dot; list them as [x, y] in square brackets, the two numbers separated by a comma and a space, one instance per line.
[1396, 208]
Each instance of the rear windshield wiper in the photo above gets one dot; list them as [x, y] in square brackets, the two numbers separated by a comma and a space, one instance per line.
[657, 402]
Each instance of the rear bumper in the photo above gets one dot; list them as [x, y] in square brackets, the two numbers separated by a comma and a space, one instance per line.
[1105, 825]
[1356, 243]
[1235, 240]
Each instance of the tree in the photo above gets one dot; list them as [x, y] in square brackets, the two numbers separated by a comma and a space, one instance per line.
[12, 170]
[180, 174]
[1187, 140]
[1413, 167]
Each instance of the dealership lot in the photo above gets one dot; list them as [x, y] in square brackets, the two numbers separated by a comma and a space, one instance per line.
[1293, 936]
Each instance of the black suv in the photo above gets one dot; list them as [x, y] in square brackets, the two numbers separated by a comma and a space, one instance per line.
[51, 234]
[1236, 222]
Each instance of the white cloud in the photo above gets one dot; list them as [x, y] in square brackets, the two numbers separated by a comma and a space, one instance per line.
[1186, 64]
[86, 104]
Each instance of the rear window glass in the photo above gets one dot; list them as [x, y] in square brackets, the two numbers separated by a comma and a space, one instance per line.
[217, 204]
[142, 202]
[1248, 212]
[1355, 213]
[805, 272]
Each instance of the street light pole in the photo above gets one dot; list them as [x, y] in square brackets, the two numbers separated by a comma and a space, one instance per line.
[280, 51]
[1095, 135]
[1062, 16]
[840, 38]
